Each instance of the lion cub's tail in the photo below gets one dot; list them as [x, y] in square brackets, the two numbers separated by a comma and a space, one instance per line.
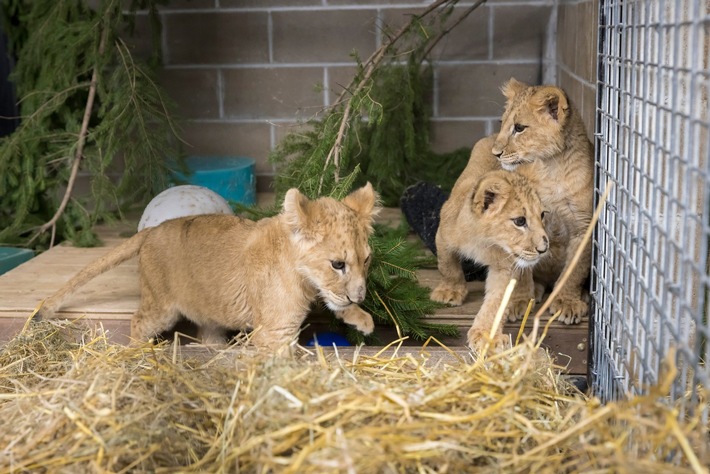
[115, 257]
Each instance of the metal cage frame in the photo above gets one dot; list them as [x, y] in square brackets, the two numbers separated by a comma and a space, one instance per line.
[650, 271]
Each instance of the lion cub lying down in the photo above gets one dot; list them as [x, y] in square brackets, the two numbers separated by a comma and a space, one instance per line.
[500, 224]
[227, 273]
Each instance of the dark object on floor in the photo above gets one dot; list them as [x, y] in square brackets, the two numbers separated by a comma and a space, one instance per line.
[580, 382]
[421, 204]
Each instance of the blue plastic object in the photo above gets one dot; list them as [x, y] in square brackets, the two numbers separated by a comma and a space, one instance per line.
[327, 339]
[232, 177]
[11, 257]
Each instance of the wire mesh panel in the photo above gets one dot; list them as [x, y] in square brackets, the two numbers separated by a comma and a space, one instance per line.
[650, 273]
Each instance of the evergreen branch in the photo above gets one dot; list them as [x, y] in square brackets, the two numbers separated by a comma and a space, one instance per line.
[370, 66]
[79, 147]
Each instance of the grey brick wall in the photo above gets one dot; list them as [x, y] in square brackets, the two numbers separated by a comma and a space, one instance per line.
[577, 55]
[245, 72]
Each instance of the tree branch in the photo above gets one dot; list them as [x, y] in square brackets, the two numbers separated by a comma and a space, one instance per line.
[78, 155]
[370, 65]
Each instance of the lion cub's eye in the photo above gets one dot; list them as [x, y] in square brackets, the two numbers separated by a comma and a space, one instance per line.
[338, 264]
[543, 214]
[519, 128]
[367, 260]
[520, 221]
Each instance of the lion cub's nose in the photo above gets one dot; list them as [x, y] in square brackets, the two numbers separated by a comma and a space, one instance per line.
[545, 245]
[359, 295]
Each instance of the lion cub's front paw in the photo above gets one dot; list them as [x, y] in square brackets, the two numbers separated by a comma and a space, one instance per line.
[572, 310]
[479, 336]
[453, 295]
[516, 309]
[356, 316]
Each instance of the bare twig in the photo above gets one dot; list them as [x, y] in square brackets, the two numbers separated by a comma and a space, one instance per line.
[52, 223]
[446, 31]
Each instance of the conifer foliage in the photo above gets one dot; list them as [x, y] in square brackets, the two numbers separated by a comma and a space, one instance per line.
[377, 131]
[86, 105]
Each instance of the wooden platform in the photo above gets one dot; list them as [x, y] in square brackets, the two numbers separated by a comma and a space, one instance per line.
[110, 299]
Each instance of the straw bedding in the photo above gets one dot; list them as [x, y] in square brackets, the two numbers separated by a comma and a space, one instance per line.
[70, 401]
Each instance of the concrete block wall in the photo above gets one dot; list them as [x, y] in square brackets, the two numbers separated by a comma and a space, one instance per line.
[245, 72]
[576, 56]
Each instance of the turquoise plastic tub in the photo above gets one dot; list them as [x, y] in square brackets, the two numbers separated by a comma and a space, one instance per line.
[11, 257]
[232, 177]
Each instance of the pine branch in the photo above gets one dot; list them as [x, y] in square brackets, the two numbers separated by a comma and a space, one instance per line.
[73, 72]
[370, 66]
[81, 141]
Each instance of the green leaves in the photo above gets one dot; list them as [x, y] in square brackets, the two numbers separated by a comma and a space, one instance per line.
[129, 137]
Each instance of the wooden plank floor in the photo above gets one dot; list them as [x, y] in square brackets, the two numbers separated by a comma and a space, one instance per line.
[110, 299]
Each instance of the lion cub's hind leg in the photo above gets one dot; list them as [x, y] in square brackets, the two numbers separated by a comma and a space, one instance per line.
[211, 334]
[151, 319]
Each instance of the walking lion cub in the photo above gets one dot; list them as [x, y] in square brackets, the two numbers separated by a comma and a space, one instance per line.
[227, 273]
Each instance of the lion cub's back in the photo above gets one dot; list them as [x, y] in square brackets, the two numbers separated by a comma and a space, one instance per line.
[182, 254]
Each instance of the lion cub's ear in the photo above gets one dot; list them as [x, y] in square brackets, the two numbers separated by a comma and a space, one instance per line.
[297, 212]
[512, 88]
[490, 194]
[551, 102]
[363, 201]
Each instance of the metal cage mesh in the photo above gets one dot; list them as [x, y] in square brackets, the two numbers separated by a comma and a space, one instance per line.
[650, 270]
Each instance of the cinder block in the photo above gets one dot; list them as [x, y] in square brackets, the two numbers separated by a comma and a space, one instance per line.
[374, 2]
[188, 4]
[216, 38]
[267, 3]
[474, 90]
[589, 108]
[194, 91]
[140, 40]
[322, 36]
[469, 39]
[567, 52]
[519, 32]
[450, 135]
[282, 129]
[285, 92]
[339, 77]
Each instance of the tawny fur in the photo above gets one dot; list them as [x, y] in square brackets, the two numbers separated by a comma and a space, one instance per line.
[499, 224]
[228, 273]
[543, 138]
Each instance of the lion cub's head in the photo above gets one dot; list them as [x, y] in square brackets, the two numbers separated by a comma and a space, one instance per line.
[509, 214]
[532, 124]
[332, 237]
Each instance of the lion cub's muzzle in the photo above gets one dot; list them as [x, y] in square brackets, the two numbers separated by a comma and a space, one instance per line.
[530, 257]
[543, 246]
[358, 295]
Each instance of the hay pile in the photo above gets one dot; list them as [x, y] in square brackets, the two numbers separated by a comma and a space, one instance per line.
[95, 407]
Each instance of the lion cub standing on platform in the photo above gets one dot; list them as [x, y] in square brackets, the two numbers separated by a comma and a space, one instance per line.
[498, 223]
[543, 138]
[225, 273]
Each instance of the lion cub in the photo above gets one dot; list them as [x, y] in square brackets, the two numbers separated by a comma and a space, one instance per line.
[499, 223]
[225, 273]
[543, 137]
